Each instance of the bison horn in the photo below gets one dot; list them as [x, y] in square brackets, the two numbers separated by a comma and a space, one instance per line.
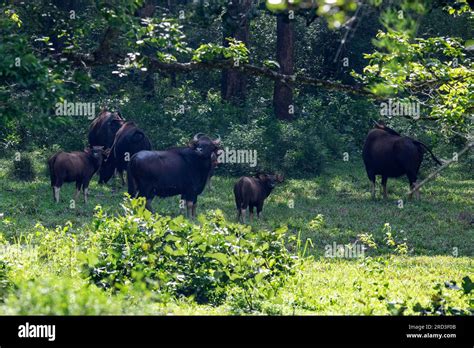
[379, 124]
[197, 136]
[218, 140]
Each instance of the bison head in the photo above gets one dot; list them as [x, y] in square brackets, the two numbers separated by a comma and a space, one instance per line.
[204, 146]
[96, 152]
[107, 169]
[270, 180]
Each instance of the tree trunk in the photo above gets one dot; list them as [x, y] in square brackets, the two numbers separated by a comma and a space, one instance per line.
[235, 24]
[282, 93]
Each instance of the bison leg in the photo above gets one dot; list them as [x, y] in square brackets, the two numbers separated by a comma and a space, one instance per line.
[372, 178]
[372, 189]
[121, 177]
[76, 195]
[86, 193]
[417, 191]
[242, 213]
[259, 210]
[194, 210]
[56, 193]
[148, 203]
[78, 190]
[412, 179]
[189, 209]
[85, 189]
[251, 213]
[384, 187]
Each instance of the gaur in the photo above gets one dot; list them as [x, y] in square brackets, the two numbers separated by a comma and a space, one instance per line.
[252, 191]
[391, 155]
[74, 166]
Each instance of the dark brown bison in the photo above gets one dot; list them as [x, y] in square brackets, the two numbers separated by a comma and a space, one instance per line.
[104, 127]
[128, 141]
[178, 171]
[74, 166]
[252, 191]
[391, 155]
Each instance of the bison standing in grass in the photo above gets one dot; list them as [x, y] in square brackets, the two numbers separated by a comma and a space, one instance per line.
[391, 155]
[252, 191]
[128, 141]
[74, 166]
[179, 171]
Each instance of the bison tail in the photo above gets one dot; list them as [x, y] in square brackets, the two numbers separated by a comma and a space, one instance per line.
[428, 149]
[52, 175]
[132, 184]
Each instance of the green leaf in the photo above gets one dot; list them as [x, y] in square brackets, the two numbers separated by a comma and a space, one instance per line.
[222, 258]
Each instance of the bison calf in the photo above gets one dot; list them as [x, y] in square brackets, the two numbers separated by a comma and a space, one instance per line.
[252, 191]
[74, 166]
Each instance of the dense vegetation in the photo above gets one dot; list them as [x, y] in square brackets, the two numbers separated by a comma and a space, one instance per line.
[177, 68]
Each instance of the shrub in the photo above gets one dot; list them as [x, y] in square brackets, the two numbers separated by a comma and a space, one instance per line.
[174, 256]
[54, 295]
[23, 169]
[4, 281]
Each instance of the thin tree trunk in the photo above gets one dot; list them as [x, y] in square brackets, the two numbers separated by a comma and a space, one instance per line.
[283, 94]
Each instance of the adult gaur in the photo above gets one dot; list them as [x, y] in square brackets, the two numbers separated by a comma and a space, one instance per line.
[128, 141]
[391, 155]
[178, 171]
[104, 127]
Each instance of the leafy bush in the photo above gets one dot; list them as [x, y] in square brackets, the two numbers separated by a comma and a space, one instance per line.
[4, 281]
[441, 301]
[54, 295]
[23, 169]
[174, 256]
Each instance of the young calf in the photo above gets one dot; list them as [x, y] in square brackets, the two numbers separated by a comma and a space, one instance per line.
[252, 191]
[74, 166]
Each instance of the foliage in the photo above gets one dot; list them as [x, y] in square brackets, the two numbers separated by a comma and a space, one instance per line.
[436, 71]
[235, 50]
[46, 257]
[5, 282]
[440, 300]
[23, 169]
[53, 295]
[176, 257]
[335, 12]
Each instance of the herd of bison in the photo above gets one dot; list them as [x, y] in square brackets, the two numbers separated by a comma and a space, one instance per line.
[116, 145]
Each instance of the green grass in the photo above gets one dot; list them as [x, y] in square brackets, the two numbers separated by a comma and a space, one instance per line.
[438, 230]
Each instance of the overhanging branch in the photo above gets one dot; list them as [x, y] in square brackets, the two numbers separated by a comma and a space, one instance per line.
[254, 70]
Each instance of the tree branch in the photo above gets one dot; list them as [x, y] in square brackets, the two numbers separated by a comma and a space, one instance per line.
[254, 70]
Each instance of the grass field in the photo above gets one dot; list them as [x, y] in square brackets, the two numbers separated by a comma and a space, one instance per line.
[334, 207]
